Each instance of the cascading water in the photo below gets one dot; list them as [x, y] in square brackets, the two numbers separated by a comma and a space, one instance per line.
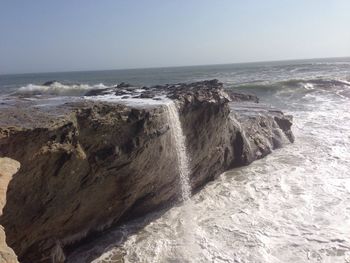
[186, 247]
[292, 206]
[180, 148]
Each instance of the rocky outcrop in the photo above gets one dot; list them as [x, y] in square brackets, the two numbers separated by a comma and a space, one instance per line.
[87, 165]
[8, 168]
[239, 97]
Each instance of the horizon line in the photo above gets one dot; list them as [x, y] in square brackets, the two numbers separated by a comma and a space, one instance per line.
[183, 66]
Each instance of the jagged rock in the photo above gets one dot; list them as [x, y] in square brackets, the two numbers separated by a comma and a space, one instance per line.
[285, 123]
[119, 90]
[8, 168]
[146, 95]
[96, 92]
[49, 83]
[260, 132]
[123, 85]
[242, 97]
[88, 165]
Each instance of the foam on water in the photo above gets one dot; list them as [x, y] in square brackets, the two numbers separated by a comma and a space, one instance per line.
[308, 86]
[134, 102]
[292, 206]
[185, 247]
[57, 88]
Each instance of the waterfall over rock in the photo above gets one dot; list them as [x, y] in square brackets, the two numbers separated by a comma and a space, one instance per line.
[180, 148]
[186, 246]
[132, 157]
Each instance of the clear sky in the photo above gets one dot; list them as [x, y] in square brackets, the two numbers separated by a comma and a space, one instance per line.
[64, 35]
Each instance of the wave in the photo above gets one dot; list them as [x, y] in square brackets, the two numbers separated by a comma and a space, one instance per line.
[259, 88]
[296, 94]
[320, 82]
[335, 63]
[297, 86]
[57, 88]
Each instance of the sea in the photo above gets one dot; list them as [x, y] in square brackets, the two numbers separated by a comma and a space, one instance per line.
[292, 206]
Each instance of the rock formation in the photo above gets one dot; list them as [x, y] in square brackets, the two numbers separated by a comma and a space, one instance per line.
[87, 165]
[8, 168]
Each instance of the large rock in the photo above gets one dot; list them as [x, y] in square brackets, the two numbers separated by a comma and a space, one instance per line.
[88, 165]
[8, 168]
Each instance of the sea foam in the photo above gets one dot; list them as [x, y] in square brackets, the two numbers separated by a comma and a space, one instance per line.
[57, 88]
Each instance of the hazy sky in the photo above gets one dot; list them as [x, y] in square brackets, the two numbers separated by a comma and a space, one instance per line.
[64, 35]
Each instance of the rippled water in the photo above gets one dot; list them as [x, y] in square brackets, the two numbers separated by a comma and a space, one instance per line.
[292, 206]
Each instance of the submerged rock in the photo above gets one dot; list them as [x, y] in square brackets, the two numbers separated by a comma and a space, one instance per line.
[88, 165]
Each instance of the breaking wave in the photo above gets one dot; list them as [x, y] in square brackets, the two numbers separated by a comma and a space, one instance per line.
[292, 206]
[57, 88]
[301, 86]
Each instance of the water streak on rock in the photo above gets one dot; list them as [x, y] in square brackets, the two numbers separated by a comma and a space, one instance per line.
[181, 151]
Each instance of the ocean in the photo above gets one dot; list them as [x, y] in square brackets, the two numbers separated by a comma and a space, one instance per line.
[292, 206]
[231, 74]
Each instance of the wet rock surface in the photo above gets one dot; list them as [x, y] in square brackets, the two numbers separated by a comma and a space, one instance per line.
[87, 165]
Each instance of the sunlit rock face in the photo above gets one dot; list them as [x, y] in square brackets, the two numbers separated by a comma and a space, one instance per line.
[102, 160]
[8, 168]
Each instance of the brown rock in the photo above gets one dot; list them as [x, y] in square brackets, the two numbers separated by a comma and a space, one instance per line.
[8, 168]
[88, 165]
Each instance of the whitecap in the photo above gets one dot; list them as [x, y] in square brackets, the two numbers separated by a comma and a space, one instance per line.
[130, 101]
[57, 88]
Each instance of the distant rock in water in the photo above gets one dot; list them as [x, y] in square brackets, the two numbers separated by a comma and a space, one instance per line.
[88, 165]
[123, 85]
[97, 92]
[49, 83]
[242, 97]
[153, 91]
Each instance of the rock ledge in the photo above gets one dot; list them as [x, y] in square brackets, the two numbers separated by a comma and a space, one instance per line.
[87, 165]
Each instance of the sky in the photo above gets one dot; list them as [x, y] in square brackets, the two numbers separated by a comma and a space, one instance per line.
[69, 35]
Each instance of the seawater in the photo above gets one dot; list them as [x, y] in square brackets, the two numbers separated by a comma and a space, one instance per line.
[179, 144]
[292, 206]
[230, 74]
[185, 246]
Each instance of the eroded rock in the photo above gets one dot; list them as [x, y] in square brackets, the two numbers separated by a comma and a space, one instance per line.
[8, 168]
[88, 165]
[240, 97]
